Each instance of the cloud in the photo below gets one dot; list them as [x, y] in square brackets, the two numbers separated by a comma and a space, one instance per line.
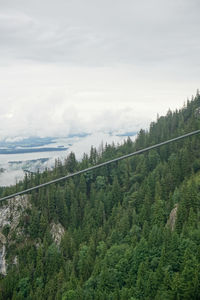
[51, 100]
[70, 66]
[10, 177]
[101, 32]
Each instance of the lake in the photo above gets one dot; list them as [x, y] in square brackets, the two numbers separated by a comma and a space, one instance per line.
[26, 155]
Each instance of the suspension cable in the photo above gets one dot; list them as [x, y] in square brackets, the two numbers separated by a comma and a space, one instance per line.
[101, 165]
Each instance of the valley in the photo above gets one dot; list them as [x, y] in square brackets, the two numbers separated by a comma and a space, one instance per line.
[33, 154]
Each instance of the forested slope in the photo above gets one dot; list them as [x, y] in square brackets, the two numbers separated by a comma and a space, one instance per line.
[119, 242]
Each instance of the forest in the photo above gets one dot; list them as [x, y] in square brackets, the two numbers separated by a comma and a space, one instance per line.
[132, 228]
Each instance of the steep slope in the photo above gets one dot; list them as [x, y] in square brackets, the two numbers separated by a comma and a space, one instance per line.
[113, 224]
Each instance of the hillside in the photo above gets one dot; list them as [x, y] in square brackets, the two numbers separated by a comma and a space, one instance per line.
[126, 231]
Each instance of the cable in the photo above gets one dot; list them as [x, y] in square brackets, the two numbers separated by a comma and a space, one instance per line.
[101, 165]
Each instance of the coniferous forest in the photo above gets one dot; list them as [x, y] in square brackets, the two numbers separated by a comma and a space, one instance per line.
[132, 228]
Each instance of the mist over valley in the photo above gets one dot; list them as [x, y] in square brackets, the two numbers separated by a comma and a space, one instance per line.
[29, 155]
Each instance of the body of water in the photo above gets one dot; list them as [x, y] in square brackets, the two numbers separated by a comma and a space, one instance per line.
[14, 165]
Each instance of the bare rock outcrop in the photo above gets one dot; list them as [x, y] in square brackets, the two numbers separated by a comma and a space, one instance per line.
[172, 218]
[57, 232]
[10, 214]
[2, 254]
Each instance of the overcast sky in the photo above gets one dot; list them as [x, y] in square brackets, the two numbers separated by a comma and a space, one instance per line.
[70, 66]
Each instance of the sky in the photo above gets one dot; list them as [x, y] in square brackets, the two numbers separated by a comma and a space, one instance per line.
[70, 66]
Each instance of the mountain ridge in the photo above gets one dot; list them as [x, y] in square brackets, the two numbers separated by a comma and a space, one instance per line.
[116, 243]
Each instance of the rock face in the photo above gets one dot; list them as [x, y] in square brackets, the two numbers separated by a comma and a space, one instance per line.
[57, 232]
[172, 218]
[10, 213]
[12, 210]
[2, 254]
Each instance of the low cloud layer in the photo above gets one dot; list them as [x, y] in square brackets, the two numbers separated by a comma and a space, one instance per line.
[13, 172]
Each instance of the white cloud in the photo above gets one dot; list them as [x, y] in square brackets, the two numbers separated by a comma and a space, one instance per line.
[69, 66]
[54, 100]
[10, 177]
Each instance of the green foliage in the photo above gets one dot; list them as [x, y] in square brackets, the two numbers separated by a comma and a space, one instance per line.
[117, 244]
[6, 230]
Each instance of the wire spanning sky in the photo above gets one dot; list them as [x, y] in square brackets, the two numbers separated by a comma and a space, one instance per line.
[70, 66]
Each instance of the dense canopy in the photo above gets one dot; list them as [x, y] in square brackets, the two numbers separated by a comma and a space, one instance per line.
[131, 229]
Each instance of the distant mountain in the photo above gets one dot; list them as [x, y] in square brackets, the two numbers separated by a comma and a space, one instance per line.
[27, 142]
[35, 141]
[14, 150]
[128, 133]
